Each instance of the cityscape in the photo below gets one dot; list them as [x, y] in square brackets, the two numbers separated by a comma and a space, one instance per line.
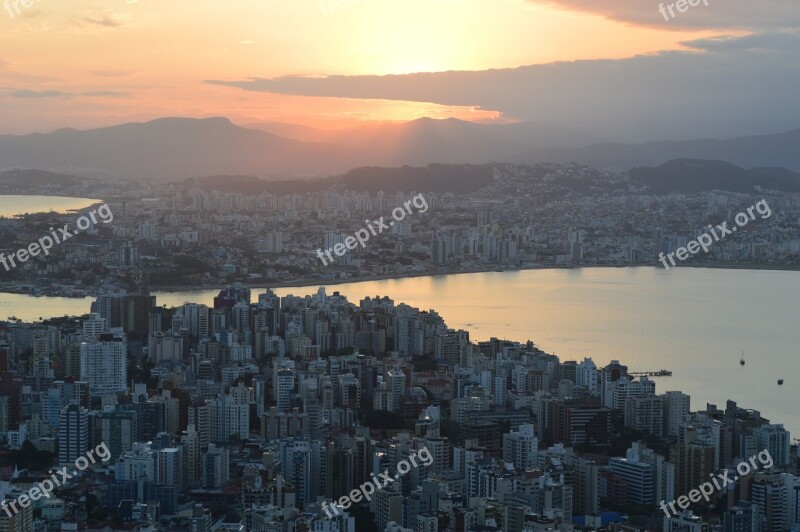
[560, 216]
[399, 266]
[254, 411]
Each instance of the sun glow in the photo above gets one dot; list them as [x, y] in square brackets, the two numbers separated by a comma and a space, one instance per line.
[144, 59]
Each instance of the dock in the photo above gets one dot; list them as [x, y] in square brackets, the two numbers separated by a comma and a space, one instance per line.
[659, 373]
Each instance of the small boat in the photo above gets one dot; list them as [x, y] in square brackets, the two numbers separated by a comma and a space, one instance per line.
[780, 382]
[741, 361]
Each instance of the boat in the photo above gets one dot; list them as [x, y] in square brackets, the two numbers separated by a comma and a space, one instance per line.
[741, 361]
[780, 382]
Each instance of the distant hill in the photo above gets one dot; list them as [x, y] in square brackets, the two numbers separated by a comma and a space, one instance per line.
[171, 148]
[248, 184]
[694, 175]
[177, 148]
[683, 176]
[289, 131]
[777, 150]
[426, 140]
[21, 178]
[460, 179]
[679, 175]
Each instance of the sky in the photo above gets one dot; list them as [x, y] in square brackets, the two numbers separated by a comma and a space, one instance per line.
[620, 68]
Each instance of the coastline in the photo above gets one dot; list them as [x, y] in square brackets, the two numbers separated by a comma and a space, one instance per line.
[351, 280]
[302, 283]
[644, 337]
[65, 212]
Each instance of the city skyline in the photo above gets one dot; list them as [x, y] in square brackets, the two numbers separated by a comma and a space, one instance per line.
[399, 266]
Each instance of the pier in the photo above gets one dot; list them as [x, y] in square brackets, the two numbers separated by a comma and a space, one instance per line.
[659, 373]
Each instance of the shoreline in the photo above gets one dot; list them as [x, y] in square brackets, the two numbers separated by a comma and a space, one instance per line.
[389, 277]
[303, 283]
[67, 212]
[541, 340]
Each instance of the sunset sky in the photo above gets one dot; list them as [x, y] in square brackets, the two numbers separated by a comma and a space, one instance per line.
[86, 63]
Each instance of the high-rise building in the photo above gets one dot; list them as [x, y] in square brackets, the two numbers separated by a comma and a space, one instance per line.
[792, 483]
[109, 307]
[771, 496]
[4, 401]
[341, 468]
[284, 384]
[151, 416]
[215, 467]
[442, 248]
[165, 347]
[195, 318]
[341, 521]
[191, 447]
[616, 393]
[586, 494]
[520, 448]
[200, 417]
[295, 457]
[59, 395]
[349, 391]
[259, 393]
[588, 376]
[104, 363]
[676, 410]
[201, 520]
[118, 429]
[20, 521]
[396, 388]
[387, 506]
[218, 321]
[775, 439]
[694, 464]
[73, 433]
[240, 318]
[139, 464]
[170, 468]
[228, 419]
[72, 360]
[578, 423]
[128, 255]
[744, 517]
[425, 498]
[645, 414]
[663, 472]
[703, 429]
[639, 476]
[685, 522]
[136, 310]
[93, 327]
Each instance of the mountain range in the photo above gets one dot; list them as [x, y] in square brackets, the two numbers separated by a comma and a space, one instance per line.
[178, 148]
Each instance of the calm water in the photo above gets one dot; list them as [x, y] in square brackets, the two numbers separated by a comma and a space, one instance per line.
[695, 322]
[12, 205]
